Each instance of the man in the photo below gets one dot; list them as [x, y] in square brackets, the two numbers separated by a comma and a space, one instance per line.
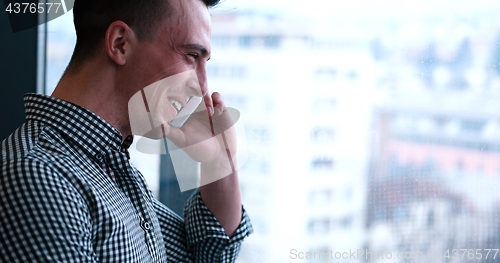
[68, 192]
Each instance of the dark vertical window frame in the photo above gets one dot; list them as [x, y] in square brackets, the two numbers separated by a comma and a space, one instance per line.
[42, 53]
[18, 72]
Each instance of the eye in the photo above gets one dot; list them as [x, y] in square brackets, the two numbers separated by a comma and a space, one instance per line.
[193, 55]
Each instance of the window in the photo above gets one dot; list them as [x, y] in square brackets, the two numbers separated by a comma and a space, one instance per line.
[323, 135]
[272, 41]
[226, 72]
[398, 107]
[245, 41]
[353, 75]
[472, 126]
[348, 193]
[346, 222]
[257, 165]
[322, 163]
[319, 226]
[325, 75]
[324, 106]
[321, 196]
[236, 101]
[221, 41]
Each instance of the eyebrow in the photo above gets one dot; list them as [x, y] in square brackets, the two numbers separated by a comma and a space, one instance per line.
[198, 47]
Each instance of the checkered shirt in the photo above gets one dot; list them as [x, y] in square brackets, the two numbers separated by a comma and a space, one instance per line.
[59, 202]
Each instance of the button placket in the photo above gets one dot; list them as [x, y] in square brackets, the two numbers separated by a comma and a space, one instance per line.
[148, 235]
[133, 189]
[146, 226]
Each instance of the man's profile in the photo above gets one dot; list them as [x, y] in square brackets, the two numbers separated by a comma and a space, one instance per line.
[67, 190]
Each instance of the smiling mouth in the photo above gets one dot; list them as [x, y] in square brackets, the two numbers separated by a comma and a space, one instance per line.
[177, 105]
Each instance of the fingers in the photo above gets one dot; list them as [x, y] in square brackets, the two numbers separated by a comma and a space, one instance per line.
[218, 103]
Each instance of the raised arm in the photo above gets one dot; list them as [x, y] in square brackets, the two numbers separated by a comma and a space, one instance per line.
[222, 197]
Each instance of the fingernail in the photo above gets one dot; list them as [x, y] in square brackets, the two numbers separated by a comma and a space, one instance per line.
[210, 110]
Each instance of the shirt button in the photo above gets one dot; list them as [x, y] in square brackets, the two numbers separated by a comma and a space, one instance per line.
[98, 156]
[146, 225]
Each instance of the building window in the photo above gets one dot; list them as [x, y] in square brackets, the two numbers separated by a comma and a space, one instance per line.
[324, 106]
[322, 163]
[221, 41]
[272, 41]
[236, 101]
[323, 135]
[245, 41]
[226, 72]
[237, 72]
[353, 75]
[460, 166]
[400, 212]
[348, 194]
[213, 71]
[325, 75]
[321, 196]
[472, 126]
[256, 164]
[346, 222]
[318, 226]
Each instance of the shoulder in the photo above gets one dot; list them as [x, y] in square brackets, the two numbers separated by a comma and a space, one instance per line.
[30, 170]
[27, 154]
[32, 152]
[33, 140]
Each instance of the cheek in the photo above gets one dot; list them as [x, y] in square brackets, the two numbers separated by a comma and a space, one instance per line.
[160, 109]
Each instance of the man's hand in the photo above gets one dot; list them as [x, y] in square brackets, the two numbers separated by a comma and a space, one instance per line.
[211, 140]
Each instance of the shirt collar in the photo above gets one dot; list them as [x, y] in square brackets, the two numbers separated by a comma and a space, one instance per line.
[86, 129]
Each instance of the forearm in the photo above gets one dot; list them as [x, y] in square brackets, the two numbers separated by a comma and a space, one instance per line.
[207, 239]
[223, 199]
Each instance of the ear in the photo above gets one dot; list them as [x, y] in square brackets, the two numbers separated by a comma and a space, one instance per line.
[119, 37]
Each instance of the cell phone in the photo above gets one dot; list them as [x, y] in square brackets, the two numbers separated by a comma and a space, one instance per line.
[185, 112]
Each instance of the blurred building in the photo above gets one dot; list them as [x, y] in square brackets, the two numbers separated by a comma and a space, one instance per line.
[434, 181]
[305, 98]
[416, 98]
[435, 165]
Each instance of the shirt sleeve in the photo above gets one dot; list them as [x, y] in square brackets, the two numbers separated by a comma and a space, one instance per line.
[207, 238]
[200, 238]
[42, 217]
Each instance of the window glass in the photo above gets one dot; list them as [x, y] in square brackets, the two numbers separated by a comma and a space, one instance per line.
[371, 125]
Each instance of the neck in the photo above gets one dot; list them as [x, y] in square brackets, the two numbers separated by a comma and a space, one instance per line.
[95, 87]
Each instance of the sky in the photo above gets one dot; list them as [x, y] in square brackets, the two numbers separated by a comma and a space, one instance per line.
[365, 9]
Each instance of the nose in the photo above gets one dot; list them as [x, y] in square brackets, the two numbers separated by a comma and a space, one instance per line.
[201, 73]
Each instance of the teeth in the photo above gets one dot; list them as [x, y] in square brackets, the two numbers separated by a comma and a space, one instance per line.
[177, 105]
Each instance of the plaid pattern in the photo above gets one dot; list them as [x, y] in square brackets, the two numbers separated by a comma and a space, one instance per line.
[69, 194]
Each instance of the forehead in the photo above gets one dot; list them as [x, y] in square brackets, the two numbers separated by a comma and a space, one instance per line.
[189, 18]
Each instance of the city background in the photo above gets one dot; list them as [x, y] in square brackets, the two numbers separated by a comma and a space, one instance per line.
[370, 124]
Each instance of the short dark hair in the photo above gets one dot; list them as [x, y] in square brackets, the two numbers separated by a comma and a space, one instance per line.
[92, 19]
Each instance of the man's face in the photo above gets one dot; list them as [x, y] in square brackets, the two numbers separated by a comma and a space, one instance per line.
[182, 44]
